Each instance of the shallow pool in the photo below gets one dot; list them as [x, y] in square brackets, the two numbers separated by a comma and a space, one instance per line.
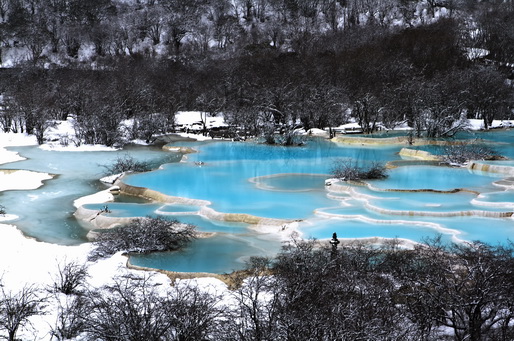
[46, 213]
[264, 181]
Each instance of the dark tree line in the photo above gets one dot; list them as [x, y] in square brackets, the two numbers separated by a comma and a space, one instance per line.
[379, 76]
[434, 291]
[275, 65]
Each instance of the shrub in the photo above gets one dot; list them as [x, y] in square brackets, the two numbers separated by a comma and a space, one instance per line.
[463, 153]
[2, 210]
[72, 314]
[135, 308]
[70, 278]
[287, 136]
[127, 163]
[143, 235]
[348, 170]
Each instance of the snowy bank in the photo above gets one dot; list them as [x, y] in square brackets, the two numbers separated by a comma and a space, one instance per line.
[478, 124]
[29, 262]
[21, 179]
[11, 140]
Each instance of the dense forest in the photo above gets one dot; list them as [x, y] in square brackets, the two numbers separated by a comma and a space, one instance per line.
[262, 63]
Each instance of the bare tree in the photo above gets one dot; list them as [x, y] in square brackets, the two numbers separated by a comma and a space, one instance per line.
[136, 308]
[488, 97]
[194, 314]
[464, 287]
[255, 316]
[72, 312]
[70, 278]
[129, 309]
[462, 153]
[181, 16]
[17, 307]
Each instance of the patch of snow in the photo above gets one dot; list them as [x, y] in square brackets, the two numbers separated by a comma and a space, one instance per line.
[188, 119]
[475, 124]
[502, 124]
[312, 132]
[86, 52]
[22, 179]
[8, 217]
[475, 53]
[7, 156]
[478, 124]
[111, 179]
[56, 146]
[403, 126]
[282, 232]
[99, 197]
[31, 261]
[198, 137]
[60, 129]
[139, 142]
[17, 139]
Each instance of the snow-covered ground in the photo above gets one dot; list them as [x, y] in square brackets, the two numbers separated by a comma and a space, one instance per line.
[479, 124]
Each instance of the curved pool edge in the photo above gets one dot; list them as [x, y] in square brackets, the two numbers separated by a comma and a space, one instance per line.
[257, 183]
[338, 186]
[97, 220]
[153, 195]
[209, 213]
[491, 168]
[176, 275]
[477, 213]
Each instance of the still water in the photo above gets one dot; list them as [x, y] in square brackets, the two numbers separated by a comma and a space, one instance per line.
[270, 182]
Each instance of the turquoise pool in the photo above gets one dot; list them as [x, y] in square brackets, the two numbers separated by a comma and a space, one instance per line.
[269, 182]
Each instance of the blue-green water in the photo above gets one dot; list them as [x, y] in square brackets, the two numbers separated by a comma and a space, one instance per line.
[222, 253]
[224, 178]
[47, 212]
[270, 182]
[436, 178]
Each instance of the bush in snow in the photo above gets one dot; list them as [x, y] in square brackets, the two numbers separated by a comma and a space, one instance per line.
[143, 235]
[16, 308]
[286, 136]
[70, 278]
[72, 314]
[135, 308]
